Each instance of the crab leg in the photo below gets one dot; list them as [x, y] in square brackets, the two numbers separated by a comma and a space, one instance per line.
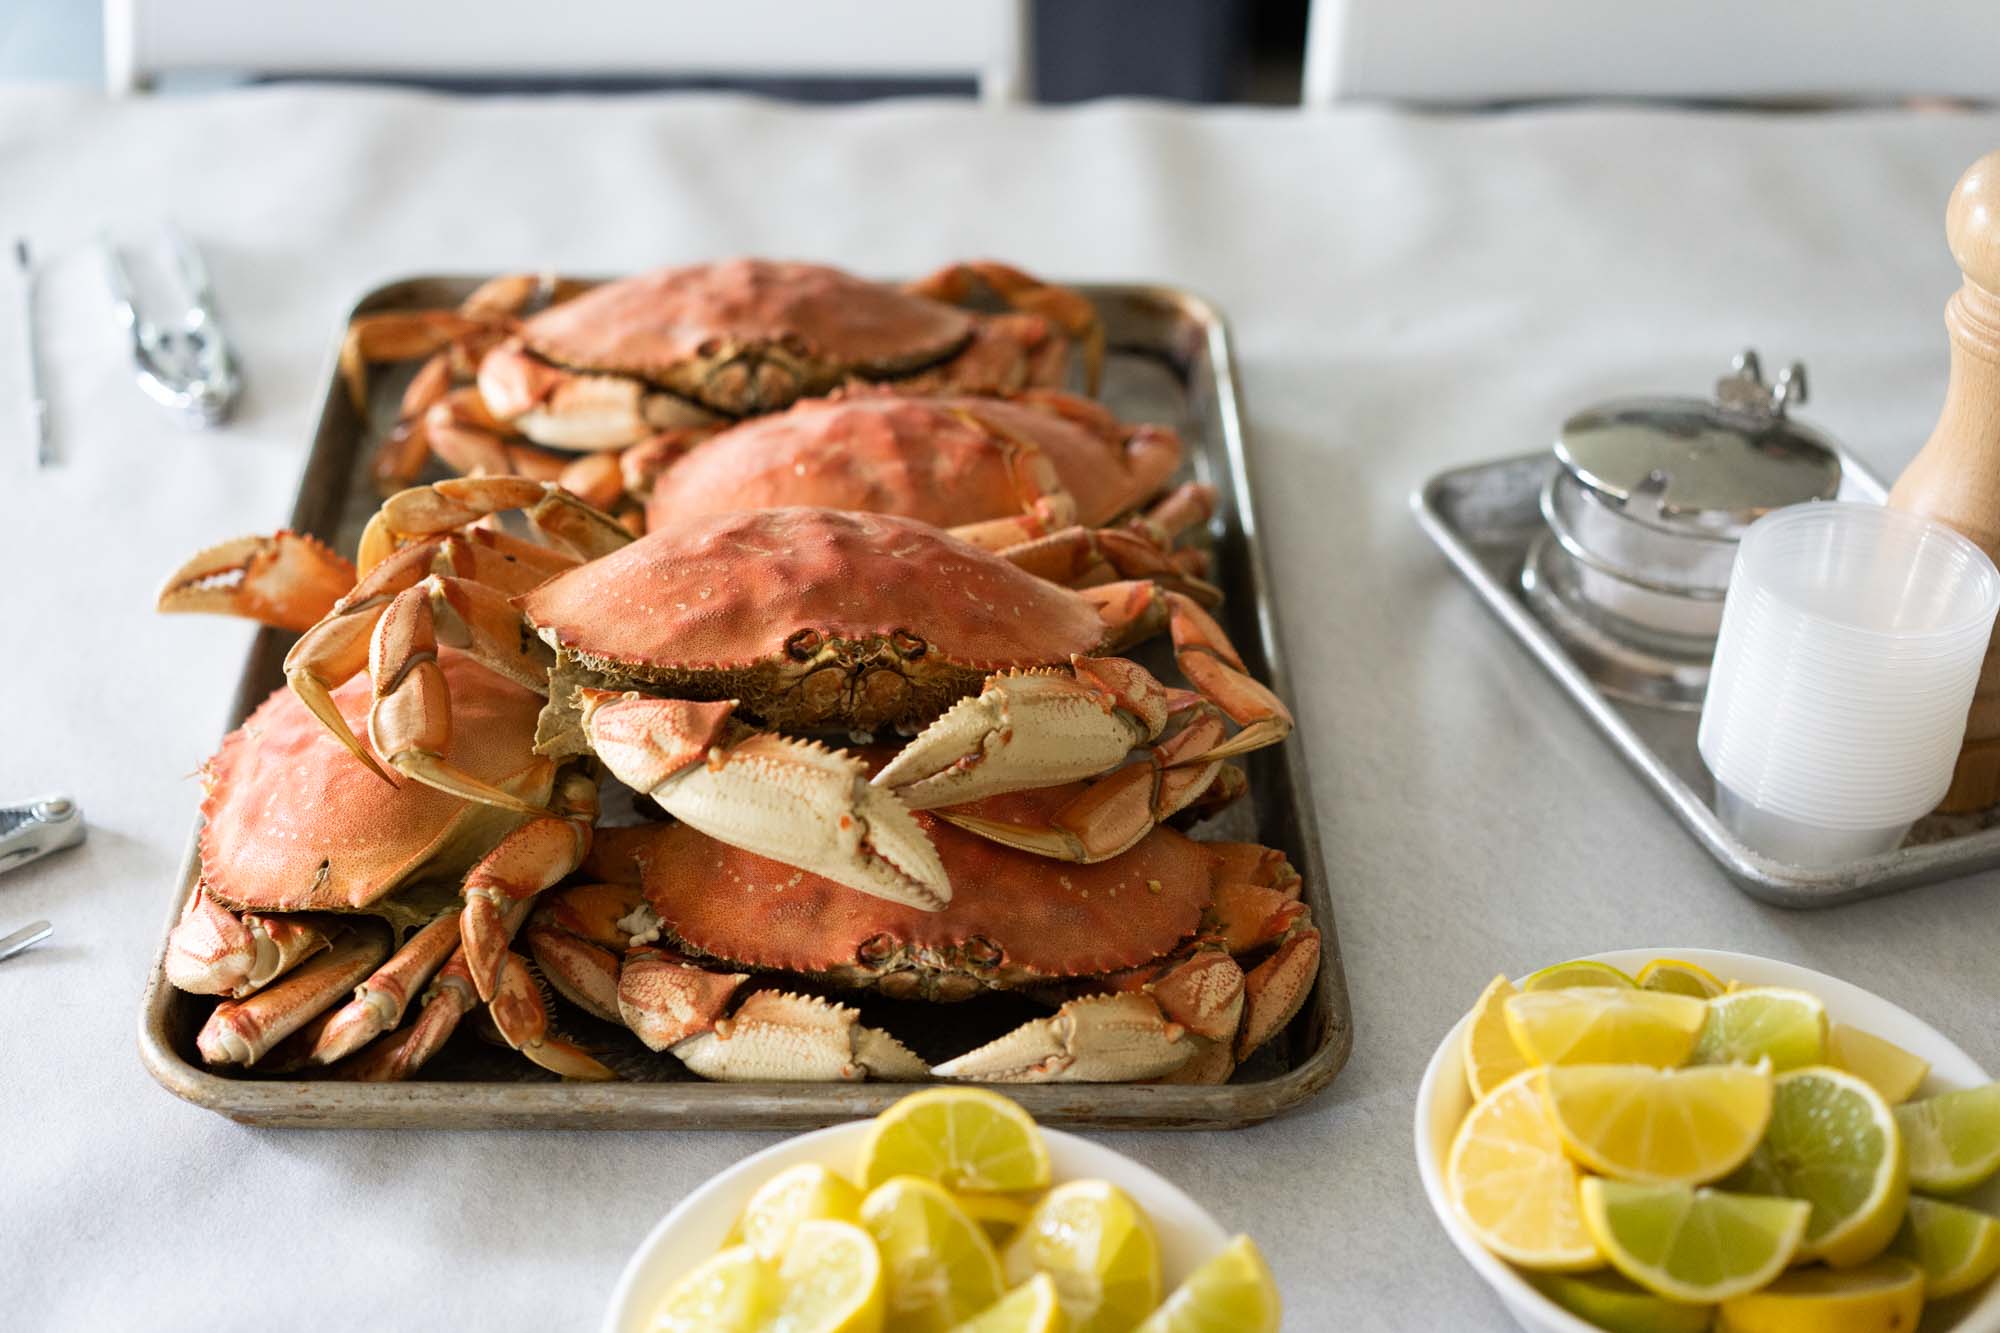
[212, 951]
[394, 1056]
[531, 859]
[428, 511]
[379, 1002]
[287, 579]
[791, 800]
[1076, 316]
[1088, 557]
[241, 1031]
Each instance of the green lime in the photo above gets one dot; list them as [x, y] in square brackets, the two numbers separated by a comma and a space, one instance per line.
[1621, 1305]
[1953, 1138]
[1786, 1027]
[1958, 1248]
[1832, 1142]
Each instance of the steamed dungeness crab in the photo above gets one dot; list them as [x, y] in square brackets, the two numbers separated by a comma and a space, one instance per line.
[690, 941]
[318, 880]
[695, 345]
[668, 657]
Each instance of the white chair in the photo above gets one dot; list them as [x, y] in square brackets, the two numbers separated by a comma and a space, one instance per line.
[1471, 51]
[983, 40]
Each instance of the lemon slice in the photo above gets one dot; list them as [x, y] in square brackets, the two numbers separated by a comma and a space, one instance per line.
[1577, 972]
[1888, 1068]
[1617, 1304]
[1031, 1307]
[1953, 1138]
[1958, 1248]
[1775, 1023]
[966, 1139]
[1886, 1296]
[1231, 1293]
[1598, 1025]
[1679, 978]
[1833, 1142]
[1491, 1057]
[804, 1193]
[829, 1282]
[1692, 1245]
[1092, 1239]
[1665, 1126]
[1001, 1214]
[1511, 1183]
[939, 1268]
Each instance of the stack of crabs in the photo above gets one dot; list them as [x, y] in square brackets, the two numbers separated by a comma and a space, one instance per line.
[863, 659]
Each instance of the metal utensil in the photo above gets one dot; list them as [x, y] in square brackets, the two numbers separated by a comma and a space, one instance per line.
[26, 937]
[33, 829]
[38, 399]
[189, 366]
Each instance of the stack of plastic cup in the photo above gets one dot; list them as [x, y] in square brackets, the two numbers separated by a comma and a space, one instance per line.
[1851, 641]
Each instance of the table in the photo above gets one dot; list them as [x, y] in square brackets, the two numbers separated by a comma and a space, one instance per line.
[1408, 292]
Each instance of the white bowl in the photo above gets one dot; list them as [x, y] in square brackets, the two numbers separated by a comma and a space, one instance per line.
[1443, 1100]
[695, 1228]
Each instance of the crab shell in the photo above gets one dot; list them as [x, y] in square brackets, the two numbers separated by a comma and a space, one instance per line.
[742, 336]
[1015, 921]
[945, 461]
[293, 824]
[808, 617]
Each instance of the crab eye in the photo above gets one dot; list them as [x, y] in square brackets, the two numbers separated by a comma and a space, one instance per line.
[876, 948]
[803, 645]
[906, 644]
[982, 952]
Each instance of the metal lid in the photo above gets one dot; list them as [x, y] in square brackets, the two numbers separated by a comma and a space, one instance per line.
[1682, 463]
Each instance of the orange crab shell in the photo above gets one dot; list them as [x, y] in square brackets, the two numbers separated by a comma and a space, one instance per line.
[1014, 918]
[784, 329]
[294, 823]
[946, 461]
[812, 616]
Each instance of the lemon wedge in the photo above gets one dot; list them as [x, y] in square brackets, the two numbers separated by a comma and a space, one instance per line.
[939, 1268]
[966, 1139]
[1031, 1307]
[1886, 1296]
[807, 1192]
[1599, 1025]
[1511, 1183]
[830, 1281]
[1888, 1068]
[1099, 1248]
[1664, 1126]
[1231, 1293]
[1491, 1057]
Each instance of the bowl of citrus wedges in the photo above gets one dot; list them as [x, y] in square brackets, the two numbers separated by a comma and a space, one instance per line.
[1670, 1141]
[952, 1210]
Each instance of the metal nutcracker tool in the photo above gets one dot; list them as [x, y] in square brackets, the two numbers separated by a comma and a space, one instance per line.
[28, 832]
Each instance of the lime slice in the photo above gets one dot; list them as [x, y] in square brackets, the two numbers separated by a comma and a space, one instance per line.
[1692, 1245]
[1231, 1293]
[939, 1267]
[829, 1282]
[1953, 1139]
[1511, 1183]
[1833, 1143]
[1886, 1296]
[1577, 972]
[1616, 1303]
[1679, 978]
[966, 1139]
[1491, 1057]
[804, 1193]
[1598, 1025]
[1891, 1070]
[1000, 1214]
[1775, 1023]
[1958, 1248]
[1092, 1239]
[1031, 1307]
[1665, 1126]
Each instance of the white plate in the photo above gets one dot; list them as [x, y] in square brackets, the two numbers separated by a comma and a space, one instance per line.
[1443, 1100]
[694, 1230]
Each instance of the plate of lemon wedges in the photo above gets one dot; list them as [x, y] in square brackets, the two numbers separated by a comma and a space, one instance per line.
[952, 1210]
[1674, 1141]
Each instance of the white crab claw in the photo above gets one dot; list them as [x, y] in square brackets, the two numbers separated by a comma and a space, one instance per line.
[1022, 730]
[1099, 1039]
[779, 1037]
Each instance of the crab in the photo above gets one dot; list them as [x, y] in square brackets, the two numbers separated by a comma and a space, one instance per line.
[317, 881]
[1146, 957]
[695, 345]
[808, 620]
[1041, 466]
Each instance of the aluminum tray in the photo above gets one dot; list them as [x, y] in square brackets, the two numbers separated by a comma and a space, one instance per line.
[1169, 361]
[1485, 517]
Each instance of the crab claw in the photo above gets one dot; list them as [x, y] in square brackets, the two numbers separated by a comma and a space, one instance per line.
[523, 1020]
[793, 801]
[1030, 729]
[212, 951]
[1276, 989]
[287, 579]
[666, 1001]
[1098, 1039]
[778, 1037]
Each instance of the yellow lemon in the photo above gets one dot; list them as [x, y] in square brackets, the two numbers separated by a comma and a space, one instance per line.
[1666, 1126]
[1491, 1057]
[1887, 1067]
[1231, 1293]
[966, 1139]
[1598, 1025]
[1511, 1183]
[939, 1269]
[1886, 1296]
[1099, 1248]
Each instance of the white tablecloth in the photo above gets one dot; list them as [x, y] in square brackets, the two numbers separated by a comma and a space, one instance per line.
[1408, 292]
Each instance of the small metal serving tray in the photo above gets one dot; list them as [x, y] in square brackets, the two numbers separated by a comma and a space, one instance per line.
[1486, 517]
[1169, 361]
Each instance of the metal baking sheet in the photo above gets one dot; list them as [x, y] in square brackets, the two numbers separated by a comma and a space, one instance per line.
[1169, 361]
[1486, 517]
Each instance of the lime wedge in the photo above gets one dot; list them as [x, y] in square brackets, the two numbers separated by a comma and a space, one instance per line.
[1578, 972]
[1617, 1304]
[1833, 1143]
[1953, 1139]
[1958, 1248]
[1679, 978]
[1775, 1023]
[1693, 1245]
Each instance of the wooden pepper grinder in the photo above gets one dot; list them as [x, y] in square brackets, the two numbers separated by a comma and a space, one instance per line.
[1955, 478]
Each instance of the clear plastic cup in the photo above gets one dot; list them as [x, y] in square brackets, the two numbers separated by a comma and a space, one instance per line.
[1851, 642]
